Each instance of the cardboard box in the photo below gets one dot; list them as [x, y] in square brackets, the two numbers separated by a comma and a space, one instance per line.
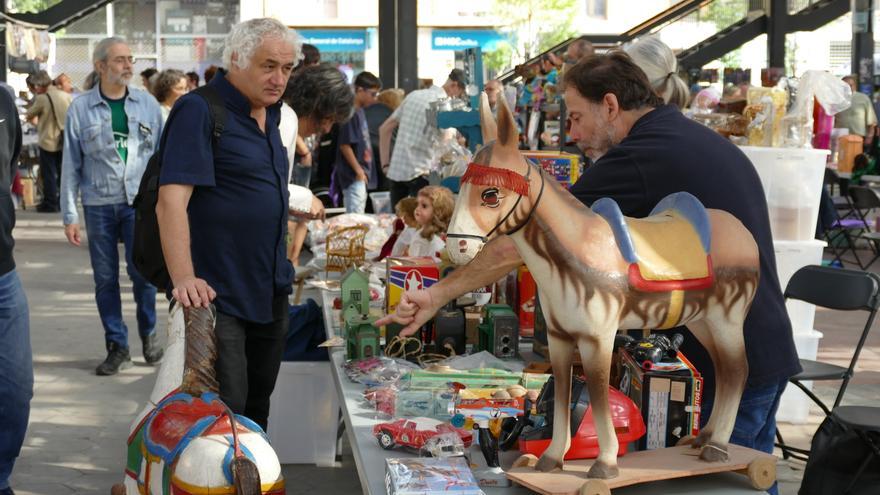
[565, 167]
[403, 274]
[669, 399]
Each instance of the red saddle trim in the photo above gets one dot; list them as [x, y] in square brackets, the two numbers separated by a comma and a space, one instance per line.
[176, 419]
[636, 281]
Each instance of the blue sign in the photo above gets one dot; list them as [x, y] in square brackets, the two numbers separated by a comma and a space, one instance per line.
[341, 40]
[459, 39]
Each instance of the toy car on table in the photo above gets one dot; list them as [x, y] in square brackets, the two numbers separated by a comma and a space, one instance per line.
[415, 432]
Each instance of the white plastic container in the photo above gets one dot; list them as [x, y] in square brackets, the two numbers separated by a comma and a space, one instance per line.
[304, 414]
[792, 180]
[381, 202]
[791, 256]
[794, 406]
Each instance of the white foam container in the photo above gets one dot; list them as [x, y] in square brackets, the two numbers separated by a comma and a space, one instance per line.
[304, 413]
[792, 180]
[794, 406]
[791, 256]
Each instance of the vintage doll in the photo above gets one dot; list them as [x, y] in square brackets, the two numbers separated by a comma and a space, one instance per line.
[405, 227]
[433, 212]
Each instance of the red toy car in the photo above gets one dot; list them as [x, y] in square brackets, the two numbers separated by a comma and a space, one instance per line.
[415, 432]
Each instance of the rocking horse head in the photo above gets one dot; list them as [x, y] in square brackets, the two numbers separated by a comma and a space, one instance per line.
[499, 191]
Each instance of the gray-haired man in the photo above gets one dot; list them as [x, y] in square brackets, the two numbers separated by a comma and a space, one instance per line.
[110, 134]
[222, 211]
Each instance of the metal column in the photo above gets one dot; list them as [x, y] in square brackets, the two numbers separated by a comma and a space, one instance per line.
[398, 44]
[407, 45]
[863, 44]
[777, 14]
[388, 43]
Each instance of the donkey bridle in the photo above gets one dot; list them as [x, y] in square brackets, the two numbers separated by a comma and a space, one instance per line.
[485, 238]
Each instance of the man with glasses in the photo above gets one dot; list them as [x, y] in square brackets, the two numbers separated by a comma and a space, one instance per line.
[353, 171]
[110, 134]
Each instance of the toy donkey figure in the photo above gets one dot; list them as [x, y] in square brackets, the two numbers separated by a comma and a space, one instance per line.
[186, 440]
[598, 272]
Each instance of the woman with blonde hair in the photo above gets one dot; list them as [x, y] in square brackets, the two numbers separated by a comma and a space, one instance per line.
[386, 103]
[658, 62]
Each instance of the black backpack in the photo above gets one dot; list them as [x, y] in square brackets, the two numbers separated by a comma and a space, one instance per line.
[147, 249]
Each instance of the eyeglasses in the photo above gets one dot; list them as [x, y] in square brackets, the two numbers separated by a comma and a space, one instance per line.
[122, 59]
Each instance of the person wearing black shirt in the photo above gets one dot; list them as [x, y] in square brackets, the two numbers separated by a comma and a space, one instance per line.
[643, 151]
[16, 366]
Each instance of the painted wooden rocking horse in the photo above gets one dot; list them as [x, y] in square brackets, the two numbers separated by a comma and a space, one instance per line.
[598, 271]
[186, 441]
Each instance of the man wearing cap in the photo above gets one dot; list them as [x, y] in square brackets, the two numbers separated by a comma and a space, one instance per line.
[408, 166]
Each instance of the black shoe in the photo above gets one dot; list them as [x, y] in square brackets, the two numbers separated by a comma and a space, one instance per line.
[7, 491]
[117, 359]
[152, 350]
[42, 208]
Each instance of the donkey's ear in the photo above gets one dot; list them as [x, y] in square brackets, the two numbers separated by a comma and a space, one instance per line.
[508, 133]
[487, 120]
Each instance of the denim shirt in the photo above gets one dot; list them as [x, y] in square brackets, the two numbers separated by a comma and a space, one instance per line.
[91, 165]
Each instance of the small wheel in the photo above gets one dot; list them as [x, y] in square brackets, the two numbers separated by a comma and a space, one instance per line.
[762, 472]
[525, 460]
[386, 441]
[594, 487]
[686, 440]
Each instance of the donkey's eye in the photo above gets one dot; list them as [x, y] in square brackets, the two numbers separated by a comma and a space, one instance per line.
[491, 198]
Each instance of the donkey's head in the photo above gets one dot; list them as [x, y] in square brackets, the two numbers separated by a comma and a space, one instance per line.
[494, 195]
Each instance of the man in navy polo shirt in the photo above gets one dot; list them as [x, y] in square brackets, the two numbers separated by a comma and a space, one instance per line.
[643, 151]
[223, 212]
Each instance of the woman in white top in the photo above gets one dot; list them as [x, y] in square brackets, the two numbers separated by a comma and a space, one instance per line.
[170, 85]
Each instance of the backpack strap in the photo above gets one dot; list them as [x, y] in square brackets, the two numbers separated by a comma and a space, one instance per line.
[217, 107]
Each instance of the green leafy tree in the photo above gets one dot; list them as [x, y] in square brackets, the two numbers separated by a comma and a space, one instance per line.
[540, 24]
[30, 5]
[500, 59]
[723, 13]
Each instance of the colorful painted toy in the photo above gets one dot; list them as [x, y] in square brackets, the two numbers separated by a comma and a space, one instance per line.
[598, 271]
[415, 432]
[186, 441]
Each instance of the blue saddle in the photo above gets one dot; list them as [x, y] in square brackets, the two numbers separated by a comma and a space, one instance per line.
[685, 204]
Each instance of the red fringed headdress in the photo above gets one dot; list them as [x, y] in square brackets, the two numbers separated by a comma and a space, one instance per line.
[482, 175]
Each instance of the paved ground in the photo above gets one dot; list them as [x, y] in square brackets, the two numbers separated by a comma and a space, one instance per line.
[79, 422]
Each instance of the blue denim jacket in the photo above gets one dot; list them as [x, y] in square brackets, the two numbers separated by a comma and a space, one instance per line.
[91, 165]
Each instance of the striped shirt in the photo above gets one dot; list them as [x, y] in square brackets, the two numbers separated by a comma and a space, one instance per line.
[411, 157]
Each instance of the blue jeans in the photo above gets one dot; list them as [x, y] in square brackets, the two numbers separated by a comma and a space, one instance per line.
[105, 226]
[16, 372]
[755, 425]
[355, 197]
[302, 176]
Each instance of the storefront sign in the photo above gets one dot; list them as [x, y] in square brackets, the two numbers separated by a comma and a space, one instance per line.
[457, 39]
[354, 40]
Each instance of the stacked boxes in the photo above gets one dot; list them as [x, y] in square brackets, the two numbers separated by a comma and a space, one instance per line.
[403, 274]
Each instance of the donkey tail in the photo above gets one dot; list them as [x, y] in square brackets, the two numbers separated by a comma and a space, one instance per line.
[246, 476]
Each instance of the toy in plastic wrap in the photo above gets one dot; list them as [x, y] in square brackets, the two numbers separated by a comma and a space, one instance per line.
[601, 271]
[415, 432]
[430, 476]
[376, 371]
[652, 349]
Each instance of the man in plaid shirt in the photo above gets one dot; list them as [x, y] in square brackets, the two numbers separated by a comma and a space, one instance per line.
[410, 162]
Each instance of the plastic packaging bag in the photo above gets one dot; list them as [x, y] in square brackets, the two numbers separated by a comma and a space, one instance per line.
[832, 93]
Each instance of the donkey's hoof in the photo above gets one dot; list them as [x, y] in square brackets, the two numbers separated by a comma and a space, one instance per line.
[546, 464]
[714, 452]
[525, 460]
[601, 470]
[700, 440]
[117, 489]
